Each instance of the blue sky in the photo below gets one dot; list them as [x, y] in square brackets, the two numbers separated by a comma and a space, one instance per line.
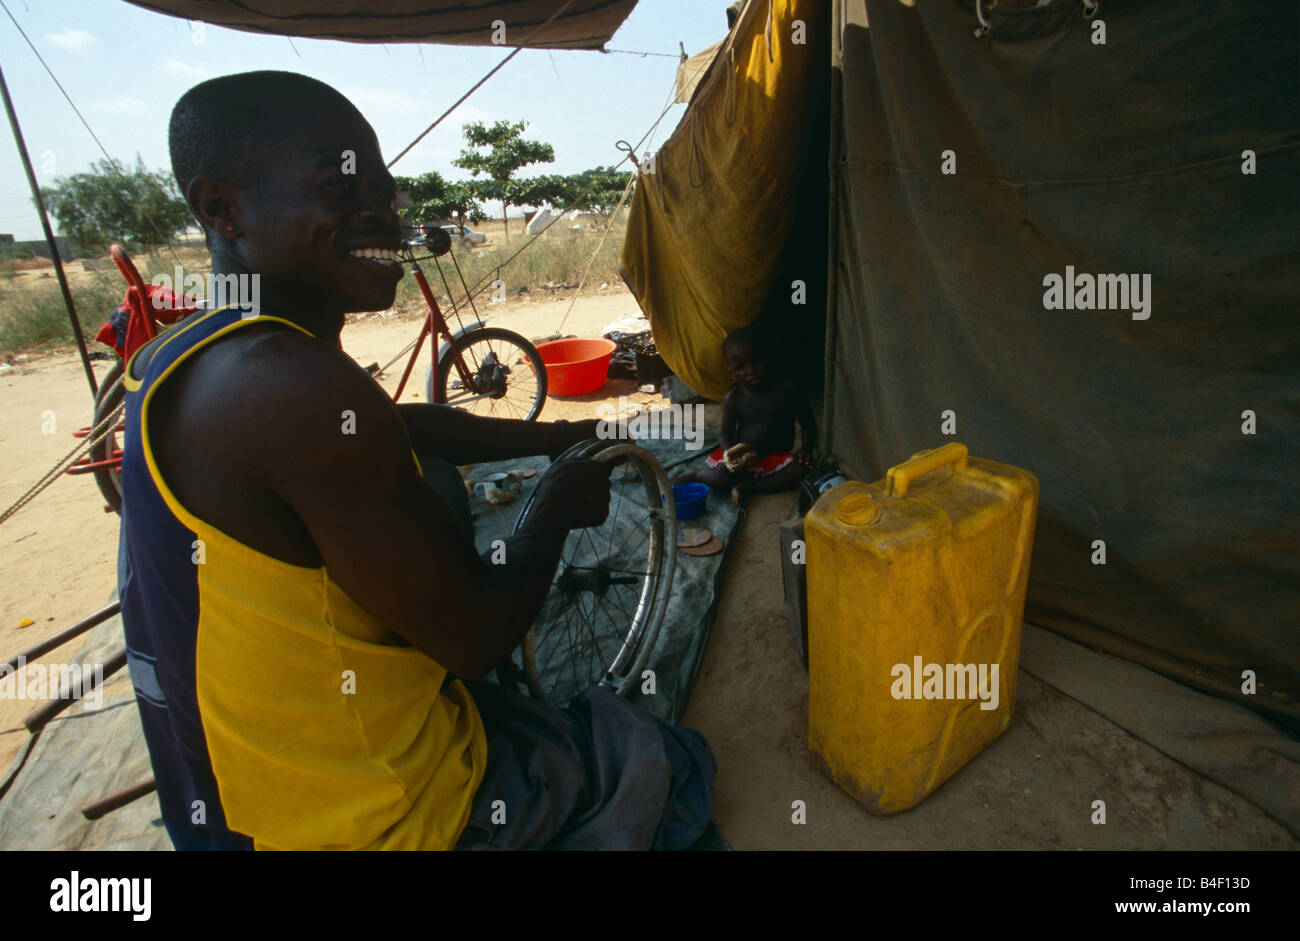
[125, 67]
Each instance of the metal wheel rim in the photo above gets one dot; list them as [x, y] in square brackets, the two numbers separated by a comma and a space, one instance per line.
[518, 363]
[637, 640]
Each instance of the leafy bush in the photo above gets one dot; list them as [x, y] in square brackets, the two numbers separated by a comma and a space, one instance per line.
[109, 205]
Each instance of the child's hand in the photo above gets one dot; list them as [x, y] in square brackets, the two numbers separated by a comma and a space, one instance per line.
[805, 458]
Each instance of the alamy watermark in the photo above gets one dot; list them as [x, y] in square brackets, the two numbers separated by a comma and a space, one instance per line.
[671, 422]
[82, 681]
[946, 681]
[79, 893]
[1085, 291]
[217, 290]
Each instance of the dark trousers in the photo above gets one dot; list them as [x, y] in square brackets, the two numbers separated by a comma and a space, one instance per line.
[598, 774]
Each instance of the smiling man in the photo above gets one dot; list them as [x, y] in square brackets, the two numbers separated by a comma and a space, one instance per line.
[300, 606]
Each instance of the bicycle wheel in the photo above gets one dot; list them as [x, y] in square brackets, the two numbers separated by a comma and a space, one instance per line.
[507, 378]
[109, 479]
[602, 615]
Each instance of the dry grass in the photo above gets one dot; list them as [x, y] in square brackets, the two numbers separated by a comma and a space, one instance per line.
[33, 317]
[32, 313]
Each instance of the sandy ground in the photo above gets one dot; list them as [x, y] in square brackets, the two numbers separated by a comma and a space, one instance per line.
[58, 555]
[1031, 789]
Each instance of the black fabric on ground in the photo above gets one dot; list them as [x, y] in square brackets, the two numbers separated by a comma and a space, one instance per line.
[1125, 157]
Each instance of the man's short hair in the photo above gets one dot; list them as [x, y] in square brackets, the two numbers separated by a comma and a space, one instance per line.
[223, 127]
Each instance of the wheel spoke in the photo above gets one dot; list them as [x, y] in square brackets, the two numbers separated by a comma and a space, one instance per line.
[602, 612]
[499, 379]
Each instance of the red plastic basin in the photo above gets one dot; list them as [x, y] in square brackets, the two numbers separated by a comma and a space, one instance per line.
[576, 367]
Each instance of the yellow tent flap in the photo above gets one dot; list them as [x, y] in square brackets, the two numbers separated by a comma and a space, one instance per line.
[714, 208]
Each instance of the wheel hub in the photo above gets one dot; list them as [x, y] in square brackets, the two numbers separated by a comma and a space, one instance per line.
[491, 377]
[593, 579]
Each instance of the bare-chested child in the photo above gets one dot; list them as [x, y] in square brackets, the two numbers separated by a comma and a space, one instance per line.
[758, 421]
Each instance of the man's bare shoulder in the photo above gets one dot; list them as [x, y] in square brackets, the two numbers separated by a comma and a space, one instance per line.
[265, 367]
[271, 355]
[281, 392]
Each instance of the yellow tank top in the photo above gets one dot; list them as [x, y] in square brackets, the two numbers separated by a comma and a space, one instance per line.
[321, 731]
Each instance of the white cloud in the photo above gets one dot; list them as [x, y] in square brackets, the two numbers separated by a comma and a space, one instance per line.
[73, 40]
[124, 104]
[177, 67]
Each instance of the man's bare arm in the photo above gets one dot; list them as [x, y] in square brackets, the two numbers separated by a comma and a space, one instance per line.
[386, 537]
[462, 438]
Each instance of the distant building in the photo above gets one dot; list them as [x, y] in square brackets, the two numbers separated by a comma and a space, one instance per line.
[39, 247]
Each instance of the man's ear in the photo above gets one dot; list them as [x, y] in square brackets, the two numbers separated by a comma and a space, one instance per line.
[216, 204]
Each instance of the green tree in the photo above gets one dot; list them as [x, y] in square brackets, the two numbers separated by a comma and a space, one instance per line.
[507, 153]
[432, 199]
[429, 198]
[537, 191]
[464, 205]
[109, 204]
[596, 191]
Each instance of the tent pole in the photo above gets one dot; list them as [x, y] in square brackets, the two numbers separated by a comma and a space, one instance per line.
[49, 235]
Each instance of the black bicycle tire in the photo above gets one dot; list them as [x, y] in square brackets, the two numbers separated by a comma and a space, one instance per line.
[109, 479]
[446, 365]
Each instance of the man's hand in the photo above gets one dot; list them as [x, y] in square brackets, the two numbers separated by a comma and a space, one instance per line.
[574, 493]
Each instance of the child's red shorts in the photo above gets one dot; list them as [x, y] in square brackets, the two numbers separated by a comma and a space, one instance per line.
[760, 468]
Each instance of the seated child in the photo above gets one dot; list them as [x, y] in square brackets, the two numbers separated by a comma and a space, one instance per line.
[758, 419]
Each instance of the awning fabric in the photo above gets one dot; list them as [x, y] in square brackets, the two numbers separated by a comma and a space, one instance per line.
[1173, 440]
[691, 72]
[708, 227]
[585, 24]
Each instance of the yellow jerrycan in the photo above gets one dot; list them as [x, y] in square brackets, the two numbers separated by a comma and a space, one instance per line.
[916, 591]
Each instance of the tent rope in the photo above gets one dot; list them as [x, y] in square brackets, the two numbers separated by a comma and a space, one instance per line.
[696, 160]
[425, 133]
[97, 434]
[633, 52]
[730, 103]
[531, 36]
[594, 255]
[59, 85]
[484, 282]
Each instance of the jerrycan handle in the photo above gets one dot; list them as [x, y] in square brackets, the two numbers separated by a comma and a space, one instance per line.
[900, 476]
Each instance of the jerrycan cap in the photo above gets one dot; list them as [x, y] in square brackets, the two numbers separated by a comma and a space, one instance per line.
[857, 509]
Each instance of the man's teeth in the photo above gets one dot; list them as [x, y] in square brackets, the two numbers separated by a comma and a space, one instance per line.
[375, 254]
